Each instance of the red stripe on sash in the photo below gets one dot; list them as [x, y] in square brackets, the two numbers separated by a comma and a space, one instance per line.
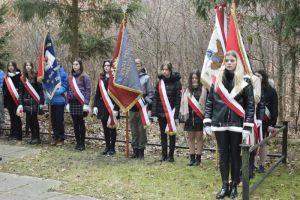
[12, 89]
[30, 89]
[75, 90]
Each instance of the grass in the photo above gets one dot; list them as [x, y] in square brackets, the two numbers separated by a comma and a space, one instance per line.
[90, 173]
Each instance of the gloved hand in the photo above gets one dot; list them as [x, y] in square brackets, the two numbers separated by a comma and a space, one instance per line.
[208, 131]
[95, 111]
[245, 133]
[177, 122]
[259, 123]
[115, 113]
[20, 109]
[68, 108]
[86, 108]
[155, 119]
[149, 113]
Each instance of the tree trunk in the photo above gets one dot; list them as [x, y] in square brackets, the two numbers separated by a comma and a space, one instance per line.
[75, 30]
[293, 83]
[280, 72]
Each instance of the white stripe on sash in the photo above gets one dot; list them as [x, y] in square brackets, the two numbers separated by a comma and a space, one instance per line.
[194, 104]
[108, 104]
[30, 89]
[143, 112]
[76, 91]
[171, 127]
[12, 89]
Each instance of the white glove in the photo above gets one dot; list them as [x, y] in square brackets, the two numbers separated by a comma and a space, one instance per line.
[20, 109]
[258, 123]
[68, 108]
[86, 108]
[245, 134]
[95, 111]
[207, 130]
[115, 113]
[155, 119]
[149, 113]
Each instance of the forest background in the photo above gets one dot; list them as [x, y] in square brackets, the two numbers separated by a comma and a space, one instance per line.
[174, 30]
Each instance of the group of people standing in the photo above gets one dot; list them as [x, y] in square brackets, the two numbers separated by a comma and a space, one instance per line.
[229, 110]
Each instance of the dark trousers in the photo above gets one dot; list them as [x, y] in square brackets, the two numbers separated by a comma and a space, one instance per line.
[229, 154]
[110, 135]
[164, 138]
[33, 124]
[15, 123]
[57, 121]
[79, 128]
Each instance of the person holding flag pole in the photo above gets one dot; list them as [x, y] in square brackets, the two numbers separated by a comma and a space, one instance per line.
[124, 85]
[55, 84]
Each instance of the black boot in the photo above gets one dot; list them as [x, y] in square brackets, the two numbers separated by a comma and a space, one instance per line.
[233, 190]
[198, 160]
[171, 155]
[135, 153]
[141, 154]
[224, 191]
[192, 160]
[164, 156]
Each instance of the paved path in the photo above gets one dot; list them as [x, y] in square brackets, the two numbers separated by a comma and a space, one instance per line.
[15, 187]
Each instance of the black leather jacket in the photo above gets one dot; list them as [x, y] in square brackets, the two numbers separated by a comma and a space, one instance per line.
[221, 118]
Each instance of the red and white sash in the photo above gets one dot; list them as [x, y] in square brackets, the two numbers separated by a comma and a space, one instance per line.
[267, 116]
[229, 100]
[171, 127]
[194, 104]
[30, 89]
[143, 112]
[77, 93]
[12, 89]
[108, 104]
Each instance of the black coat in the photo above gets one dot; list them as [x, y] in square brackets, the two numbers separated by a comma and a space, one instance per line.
[29, 104]
[270, 100]
[193, 117]
[220, 117]
[99, 103]
[173, 89]
[8, 100]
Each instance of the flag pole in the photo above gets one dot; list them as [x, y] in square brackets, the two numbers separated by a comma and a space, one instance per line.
[127, 137]
[49, 125]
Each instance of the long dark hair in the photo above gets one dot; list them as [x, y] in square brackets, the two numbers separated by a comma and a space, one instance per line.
[103, 73]
[265, 78]
[190, 84]
[29, 75]
[80, 63]
[14, 64]
[168, 64]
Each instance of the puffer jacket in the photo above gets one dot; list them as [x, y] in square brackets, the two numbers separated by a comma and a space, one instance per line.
[221, 118]
[148, 90]
[173, 89]
[270, 100]
[59, 96]
[84, 84]
[99, 103]
[26, 100]
[8, 100]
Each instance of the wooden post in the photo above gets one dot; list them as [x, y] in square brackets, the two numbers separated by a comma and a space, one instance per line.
[49, 125]
[127, 138]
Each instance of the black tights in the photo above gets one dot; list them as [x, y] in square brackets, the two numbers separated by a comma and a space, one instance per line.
[79, 128]
[164, 138]
[229, 152]
[110, 135]
[33, 124]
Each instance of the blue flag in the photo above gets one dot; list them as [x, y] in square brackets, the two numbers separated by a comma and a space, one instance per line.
[49, 68]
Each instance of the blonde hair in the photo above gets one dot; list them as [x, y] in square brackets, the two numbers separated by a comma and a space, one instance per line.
[238, 73]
